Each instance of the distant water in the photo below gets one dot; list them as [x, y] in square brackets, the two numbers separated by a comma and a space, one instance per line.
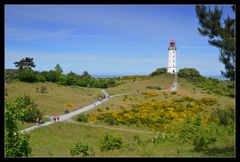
[220, 77]
[108, 76]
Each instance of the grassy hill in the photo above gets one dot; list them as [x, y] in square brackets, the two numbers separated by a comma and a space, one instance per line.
[148, 98]
[138, 87]
[53, 100]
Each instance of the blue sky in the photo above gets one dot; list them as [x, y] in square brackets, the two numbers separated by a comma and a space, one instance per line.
[107, 39]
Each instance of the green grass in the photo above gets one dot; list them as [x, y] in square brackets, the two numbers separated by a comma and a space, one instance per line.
[54, 100]
[58, 139]
[62, 136]
[24, 125]
[140, 85]
[185, 88]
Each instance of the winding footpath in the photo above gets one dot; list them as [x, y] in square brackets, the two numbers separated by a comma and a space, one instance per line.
[68, 116]
[106, 127]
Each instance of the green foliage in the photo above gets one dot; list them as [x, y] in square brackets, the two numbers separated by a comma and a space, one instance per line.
[41, 78]
[224, 117]
[65, 80]
[34, 113]
[158, 71]
[110, 143]
[200, 134]
[27, 75]
[187, 130]
[221, 35]
[51, 76]
[86, 74]
[19, 146]
[82, 118]
[58, 69]
[188, 73]
[80, 149]
[211, 85]
[16, 144]
[25, 63]
[205, 136]
[85, 80]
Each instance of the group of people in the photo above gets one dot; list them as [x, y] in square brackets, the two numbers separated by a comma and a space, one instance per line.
[54, 118]
[101, 98]
[51, 119]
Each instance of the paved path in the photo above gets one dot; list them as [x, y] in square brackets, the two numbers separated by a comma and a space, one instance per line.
[71, 114]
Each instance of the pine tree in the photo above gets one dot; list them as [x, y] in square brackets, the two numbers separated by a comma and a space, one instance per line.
[221, 35]
[25, 63]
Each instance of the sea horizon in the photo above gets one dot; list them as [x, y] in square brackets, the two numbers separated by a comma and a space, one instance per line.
[220, 77]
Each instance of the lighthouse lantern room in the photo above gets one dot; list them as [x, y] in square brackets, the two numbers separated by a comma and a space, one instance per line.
[172, 58]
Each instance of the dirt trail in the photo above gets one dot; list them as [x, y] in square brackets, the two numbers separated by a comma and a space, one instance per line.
[107, 127]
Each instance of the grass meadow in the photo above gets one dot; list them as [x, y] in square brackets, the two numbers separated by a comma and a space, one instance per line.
[62, 136]
[56, 96]
[58, 139]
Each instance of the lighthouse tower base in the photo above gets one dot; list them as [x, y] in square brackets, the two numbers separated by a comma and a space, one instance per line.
[172, 70]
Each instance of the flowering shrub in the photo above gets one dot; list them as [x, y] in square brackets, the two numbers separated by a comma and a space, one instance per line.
[69, 105]
[150, 94]
[160, 115]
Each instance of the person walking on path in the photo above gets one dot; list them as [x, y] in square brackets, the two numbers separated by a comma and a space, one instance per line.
[57, 118]
[37, 121]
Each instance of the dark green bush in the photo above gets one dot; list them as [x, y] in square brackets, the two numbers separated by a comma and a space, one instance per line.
[80, 149]
[188, 73]
[110, 143]
[82, 118]
[66, 111]
[223, 117]
[41, 78]
[204, 136]
[201, 142]
[34, 113]
[50, 76]
[109, 119]
[27, 75]
[158, 71]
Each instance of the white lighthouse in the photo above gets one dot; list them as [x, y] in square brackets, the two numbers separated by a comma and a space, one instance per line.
[172, 58]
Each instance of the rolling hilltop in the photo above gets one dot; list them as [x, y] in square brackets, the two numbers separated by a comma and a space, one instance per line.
[149, 120]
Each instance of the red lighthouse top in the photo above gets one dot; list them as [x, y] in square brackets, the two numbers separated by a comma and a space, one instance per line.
[172, 43]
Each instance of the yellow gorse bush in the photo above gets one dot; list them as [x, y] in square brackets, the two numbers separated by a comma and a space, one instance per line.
[162, 115]
[68, 105]
[150, 94]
